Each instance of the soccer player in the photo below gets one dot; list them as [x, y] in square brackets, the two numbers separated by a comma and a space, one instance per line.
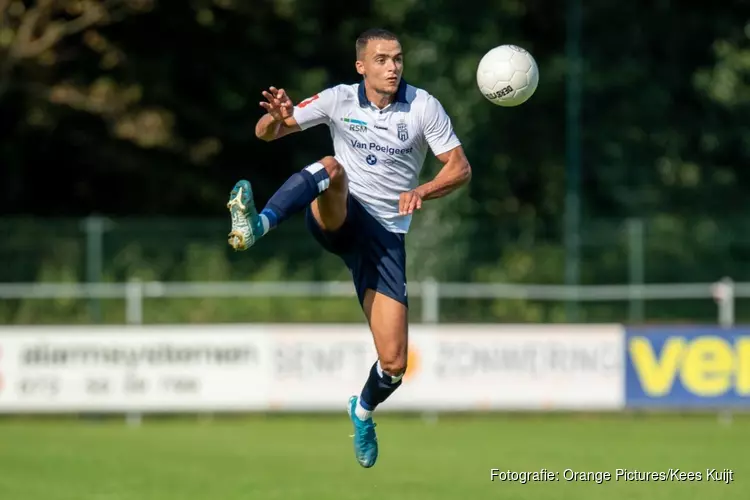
[359, 203]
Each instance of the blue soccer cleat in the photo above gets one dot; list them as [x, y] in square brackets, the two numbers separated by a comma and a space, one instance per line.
[247, 227]
[365, 440]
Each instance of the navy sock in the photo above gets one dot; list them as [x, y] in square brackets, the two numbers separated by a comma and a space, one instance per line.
[296, 193]
[378, 387]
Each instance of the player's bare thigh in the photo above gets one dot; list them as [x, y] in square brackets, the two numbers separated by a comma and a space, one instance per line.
[388, 319]
[329, 209]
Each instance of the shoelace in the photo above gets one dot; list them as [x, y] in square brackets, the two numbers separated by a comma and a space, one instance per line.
[239, 220]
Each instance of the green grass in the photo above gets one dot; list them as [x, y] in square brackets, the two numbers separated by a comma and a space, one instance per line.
[292, 457]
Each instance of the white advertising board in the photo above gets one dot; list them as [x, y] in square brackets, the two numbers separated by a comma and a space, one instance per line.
[306, 367]
[121, 369]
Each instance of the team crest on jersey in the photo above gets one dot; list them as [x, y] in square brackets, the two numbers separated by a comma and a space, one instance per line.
[403, 132]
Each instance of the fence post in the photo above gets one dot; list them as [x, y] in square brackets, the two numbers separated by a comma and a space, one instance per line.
[635, 268]
[93, 226]
[724, 295]
[430, 301]
[134, 302]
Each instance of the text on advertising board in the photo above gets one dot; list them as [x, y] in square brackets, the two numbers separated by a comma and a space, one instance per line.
[688, 366]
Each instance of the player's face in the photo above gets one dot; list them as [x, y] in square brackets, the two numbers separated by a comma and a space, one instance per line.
[382, 64]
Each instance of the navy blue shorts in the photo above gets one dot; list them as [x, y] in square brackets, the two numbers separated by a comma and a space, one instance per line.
[375, 256]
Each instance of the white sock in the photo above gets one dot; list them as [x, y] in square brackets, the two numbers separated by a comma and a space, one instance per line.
[361, 413]
[266, 223]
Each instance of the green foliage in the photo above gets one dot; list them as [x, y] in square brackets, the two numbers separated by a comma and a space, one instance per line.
[148, 109]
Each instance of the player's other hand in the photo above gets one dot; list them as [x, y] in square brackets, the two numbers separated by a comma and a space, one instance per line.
[277, 104]
[409, 202]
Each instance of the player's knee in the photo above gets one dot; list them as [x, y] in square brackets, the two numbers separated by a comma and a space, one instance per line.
[394, 365]
[335, 171]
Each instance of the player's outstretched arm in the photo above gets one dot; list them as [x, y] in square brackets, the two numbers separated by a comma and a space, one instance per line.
[456, 172]
[279, 119]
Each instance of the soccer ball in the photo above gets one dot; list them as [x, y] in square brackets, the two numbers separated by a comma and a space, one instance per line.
[507, 75]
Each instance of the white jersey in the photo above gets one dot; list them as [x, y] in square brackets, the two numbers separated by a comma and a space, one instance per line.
[382, 151]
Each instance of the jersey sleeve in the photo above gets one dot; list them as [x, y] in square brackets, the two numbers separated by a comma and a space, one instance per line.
[438, 129]
[316, 110]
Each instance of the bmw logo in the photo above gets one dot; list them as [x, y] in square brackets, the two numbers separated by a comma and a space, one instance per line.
[371, 159]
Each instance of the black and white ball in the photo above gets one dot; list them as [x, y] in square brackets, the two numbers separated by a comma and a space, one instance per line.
[507, 75]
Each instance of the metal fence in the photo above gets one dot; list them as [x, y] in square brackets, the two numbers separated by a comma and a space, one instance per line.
[431, 292]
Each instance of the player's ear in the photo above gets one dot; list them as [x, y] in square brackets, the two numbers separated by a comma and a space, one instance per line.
[360, 67]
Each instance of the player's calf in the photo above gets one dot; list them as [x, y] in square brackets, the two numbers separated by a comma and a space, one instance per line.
[388, 321]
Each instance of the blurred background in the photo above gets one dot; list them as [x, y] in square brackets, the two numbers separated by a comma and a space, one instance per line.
[597, 264]
[125, 123]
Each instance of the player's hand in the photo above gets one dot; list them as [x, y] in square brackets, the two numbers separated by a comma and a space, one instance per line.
[278, 104]
[409, 202]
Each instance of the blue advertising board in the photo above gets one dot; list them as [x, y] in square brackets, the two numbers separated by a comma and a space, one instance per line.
[687, 367]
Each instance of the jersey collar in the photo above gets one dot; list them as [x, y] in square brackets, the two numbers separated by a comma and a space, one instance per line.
[400, 93]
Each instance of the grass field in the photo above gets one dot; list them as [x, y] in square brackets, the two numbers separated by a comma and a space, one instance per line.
[292, 457]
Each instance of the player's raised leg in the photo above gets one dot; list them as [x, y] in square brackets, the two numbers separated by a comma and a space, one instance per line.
[299, 191]
[388, 319]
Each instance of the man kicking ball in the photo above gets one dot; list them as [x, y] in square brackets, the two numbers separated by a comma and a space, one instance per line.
[359, 203]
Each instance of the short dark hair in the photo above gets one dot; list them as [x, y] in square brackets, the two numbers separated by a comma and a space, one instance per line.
[373, 34]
